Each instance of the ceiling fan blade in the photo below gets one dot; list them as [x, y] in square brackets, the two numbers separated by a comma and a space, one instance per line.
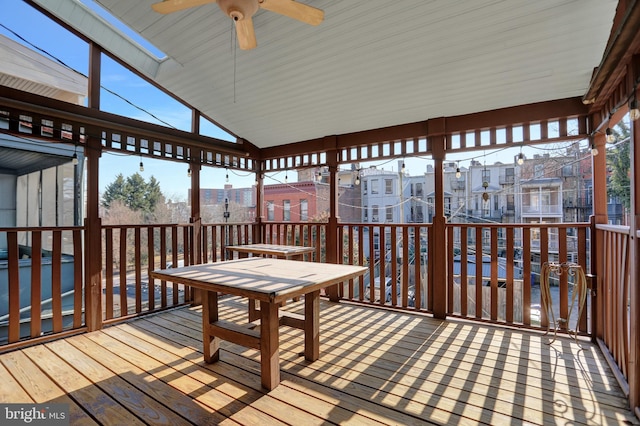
[169, 6]
[246, 34]
[295, 10]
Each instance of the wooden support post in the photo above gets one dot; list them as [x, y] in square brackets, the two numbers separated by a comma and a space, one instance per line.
[439, 234]
[634, 264]
[93, 224]
[599, 176]
[257, 231]
[196, 221]
[332, 227]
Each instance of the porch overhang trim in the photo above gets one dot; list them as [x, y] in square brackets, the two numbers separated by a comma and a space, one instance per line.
[625, 40]
[93, 119]
[94, 28]
[410, 135]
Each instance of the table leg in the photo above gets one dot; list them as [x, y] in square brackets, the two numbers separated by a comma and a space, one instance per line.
[269, 345]
[312, 326]
[254, 314]
[210, 316]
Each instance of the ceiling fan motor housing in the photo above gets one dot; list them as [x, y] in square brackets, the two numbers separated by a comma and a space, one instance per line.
[239, 9]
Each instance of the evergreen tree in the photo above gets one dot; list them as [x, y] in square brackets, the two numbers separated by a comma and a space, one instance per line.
[115, 191]
[134, 193]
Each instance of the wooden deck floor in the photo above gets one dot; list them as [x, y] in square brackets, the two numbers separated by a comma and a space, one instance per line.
[376, 367]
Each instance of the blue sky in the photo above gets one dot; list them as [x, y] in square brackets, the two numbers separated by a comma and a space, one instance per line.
[50, 37]
[47, 35]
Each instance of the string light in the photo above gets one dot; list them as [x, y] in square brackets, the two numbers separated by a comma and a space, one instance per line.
[226, 178]
[634, 112]
[189, 172]
[74, 159]
[403, 168]
[610, 136]
[141, 166]
[520, 159]
[358, 178]
[594, 150]
[286, 177]
[458, 173]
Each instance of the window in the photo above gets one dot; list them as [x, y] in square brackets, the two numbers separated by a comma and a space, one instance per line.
[538, 170]
[374, 186]
[419, 214]
[389, 214]
[270, 210]
[365, 186]
[366, 214]
[418, 190]
[304, 210]
[286, 210]
[374, 214]
[486, 175]
[388, 186]
[509, 176]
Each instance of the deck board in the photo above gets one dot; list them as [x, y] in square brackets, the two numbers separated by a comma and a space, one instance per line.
[376, 367]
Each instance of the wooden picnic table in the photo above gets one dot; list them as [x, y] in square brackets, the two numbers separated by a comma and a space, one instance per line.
[269, 281]
[276, 250]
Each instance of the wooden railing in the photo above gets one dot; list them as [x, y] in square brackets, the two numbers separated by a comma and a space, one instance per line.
[41, 283]
[129, 253]
[511, 256]
[397, 257]
[310, 234]
[400, 269]
[613, 248]
[215, 237]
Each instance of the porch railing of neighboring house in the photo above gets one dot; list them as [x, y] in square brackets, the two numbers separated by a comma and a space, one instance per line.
[41, 283]
[613, 245]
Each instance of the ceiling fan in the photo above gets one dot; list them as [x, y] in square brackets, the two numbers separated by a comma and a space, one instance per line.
[241, 12]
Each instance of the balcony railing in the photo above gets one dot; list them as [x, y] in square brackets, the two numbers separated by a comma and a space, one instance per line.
[507, 179]
[545, 209]
[41, 283]
[612, 328]
[399, 258]
[510, 274]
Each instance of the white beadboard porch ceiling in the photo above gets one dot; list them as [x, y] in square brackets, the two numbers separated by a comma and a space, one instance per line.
[370, 64]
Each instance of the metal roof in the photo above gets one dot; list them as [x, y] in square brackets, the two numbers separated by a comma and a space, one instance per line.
[20, 156]
[370, 64]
